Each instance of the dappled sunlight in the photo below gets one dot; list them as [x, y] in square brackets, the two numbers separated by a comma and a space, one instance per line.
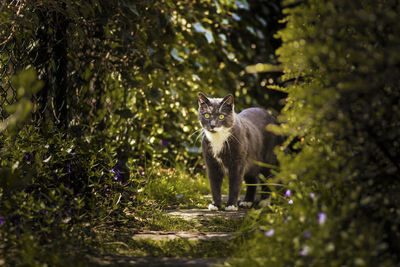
[101, 159]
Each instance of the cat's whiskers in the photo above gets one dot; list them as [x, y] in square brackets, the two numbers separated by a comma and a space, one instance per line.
[195, 132]
[199, 135]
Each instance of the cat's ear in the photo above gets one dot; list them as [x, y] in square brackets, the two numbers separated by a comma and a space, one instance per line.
[202, 99]
[228, 100]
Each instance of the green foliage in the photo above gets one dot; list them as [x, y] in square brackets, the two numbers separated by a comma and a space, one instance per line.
[172, 188]
[343, 105]
[51, 184]
[101, 111]
[136, 76]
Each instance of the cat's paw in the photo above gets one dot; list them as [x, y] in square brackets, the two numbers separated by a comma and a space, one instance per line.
[231, 208]
[245, 204]
[212, 207]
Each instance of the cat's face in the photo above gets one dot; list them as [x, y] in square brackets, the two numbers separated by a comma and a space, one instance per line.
[215, 114]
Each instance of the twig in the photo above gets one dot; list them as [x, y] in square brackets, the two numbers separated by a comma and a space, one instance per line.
[14, 25]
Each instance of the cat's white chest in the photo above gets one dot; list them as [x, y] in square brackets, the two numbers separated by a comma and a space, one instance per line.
[217, 140]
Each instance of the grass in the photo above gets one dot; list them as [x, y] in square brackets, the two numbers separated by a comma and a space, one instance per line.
[175, 248]
[176, 188]
[173, 188]
[219, 225]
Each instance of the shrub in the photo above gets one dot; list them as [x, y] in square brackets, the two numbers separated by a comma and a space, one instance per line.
[52, 184]
[344, 104]
[111, 93]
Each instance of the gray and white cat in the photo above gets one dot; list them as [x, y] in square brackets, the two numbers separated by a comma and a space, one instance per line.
[231, 142]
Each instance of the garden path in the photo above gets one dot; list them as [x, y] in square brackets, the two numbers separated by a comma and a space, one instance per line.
[208, 243]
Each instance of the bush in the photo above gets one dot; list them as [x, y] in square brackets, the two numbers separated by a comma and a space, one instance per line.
[104, 100]
[343, 105]
[52, 184]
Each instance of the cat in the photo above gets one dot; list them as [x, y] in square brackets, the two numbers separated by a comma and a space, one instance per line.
[231, 144]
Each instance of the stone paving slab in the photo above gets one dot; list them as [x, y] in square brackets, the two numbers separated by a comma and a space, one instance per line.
[205, 214]
[120, 261]
[191, 236]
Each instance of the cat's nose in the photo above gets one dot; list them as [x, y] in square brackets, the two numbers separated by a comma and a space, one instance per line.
[212, 124]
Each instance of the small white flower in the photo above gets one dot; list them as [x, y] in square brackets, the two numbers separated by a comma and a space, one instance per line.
[47, 160]
[16, 164]
[305, 250]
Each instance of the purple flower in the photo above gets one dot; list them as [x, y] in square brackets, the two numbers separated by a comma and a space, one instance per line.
[69, 168]
[141, 174]
[270, 233]
[321, 217]
[307, 234]
[288, 193]
[2, 221]
[312, 195]
[179, 196]
[117, 173]
[164, 143]
[107, 189]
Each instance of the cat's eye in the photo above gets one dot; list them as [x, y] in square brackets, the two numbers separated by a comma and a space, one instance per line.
[207, 116]
[221, 117]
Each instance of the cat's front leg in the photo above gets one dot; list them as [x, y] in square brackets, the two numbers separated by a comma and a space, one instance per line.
[235, 183]
[215, 175]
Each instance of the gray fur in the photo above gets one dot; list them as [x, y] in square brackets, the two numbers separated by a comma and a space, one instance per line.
[246, 140]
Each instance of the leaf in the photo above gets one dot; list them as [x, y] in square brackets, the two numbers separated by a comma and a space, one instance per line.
[175, 54]
[132, 7]
[198, 27]
[47, 160]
